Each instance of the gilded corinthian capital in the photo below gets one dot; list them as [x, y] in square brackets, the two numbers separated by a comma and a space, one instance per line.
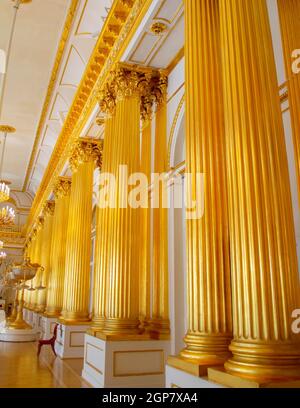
[107, 101]
[62, 187]
[40, 223]
[48, 208]
[126, 81]
[86, 150]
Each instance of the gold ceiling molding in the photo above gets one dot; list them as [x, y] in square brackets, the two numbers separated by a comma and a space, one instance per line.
[127, 14]
[58, 60]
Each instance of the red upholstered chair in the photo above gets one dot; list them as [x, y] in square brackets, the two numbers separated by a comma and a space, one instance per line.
[50, 342]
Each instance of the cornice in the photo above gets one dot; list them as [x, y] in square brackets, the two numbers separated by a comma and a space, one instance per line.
[127, 15]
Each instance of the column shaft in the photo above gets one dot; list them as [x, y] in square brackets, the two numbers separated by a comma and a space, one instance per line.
[145, 284]
[289, 12]
[265, 281]
[102, 239]
[123, 265]
[78, 245]
[209, 300]
[46, 254]
[160, 324]
[58, 248]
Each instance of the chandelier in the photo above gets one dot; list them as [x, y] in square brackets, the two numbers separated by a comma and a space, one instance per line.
[7, 216]
[1, 244]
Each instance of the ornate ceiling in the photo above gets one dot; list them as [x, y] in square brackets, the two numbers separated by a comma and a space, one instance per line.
[53, 43]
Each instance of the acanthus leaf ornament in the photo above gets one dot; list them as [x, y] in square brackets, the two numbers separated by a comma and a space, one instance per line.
[62, 187]
[48, 208]
[85, 150]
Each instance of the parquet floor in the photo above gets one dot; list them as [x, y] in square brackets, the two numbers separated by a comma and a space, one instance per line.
[21, 368]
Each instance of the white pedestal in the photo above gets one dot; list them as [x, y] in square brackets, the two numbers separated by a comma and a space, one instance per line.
[18, 336]
[25, 315]
[176, 378]
[29, 317]
[35, 320]
[70, 341]
[47, 327]
[130, 363]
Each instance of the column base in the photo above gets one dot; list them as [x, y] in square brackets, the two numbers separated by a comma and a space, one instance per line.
[221, 376]
[132, 361]
[265, 362]
[177, 378]
[9, 334]
[70, 340]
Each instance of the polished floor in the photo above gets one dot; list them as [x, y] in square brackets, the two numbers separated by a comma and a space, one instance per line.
[21, 368]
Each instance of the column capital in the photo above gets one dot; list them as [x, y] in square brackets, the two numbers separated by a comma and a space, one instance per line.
[40, 223]
[86, 150]
[48, 209]
[107, 101]
[125, 81]
[62, 187]
[34, 234]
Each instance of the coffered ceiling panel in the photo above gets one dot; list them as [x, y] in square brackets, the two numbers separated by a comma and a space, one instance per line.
[74, 69]
[161, 38]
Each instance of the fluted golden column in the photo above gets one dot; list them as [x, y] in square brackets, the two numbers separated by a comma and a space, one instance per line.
[55, 290]
[122, 315]
[145, 283]
[160, 324]
[78, 246]
[32, 255]
[209, 302]
[103, 242]
[265, 281]
[289, 13]
[37, 260]
[118, 271]
[27, 254]
[45, 256]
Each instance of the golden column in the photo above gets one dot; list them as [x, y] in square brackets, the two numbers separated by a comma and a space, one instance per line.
[45, 257]
[160, 324]
[122, 268]
[55, 290]
[145, 220]
[289, 12]
[85, 154]
[27, 254]
[37, 260]
[265, 281]
[102, 245]
[209, 301]
[122, 315]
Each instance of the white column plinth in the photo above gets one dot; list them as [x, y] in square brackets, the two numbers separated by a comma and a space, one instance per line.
[18, 336]
[70, 341]
[176, 378]
[47, 327]
[29, 317]
[130, 363]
